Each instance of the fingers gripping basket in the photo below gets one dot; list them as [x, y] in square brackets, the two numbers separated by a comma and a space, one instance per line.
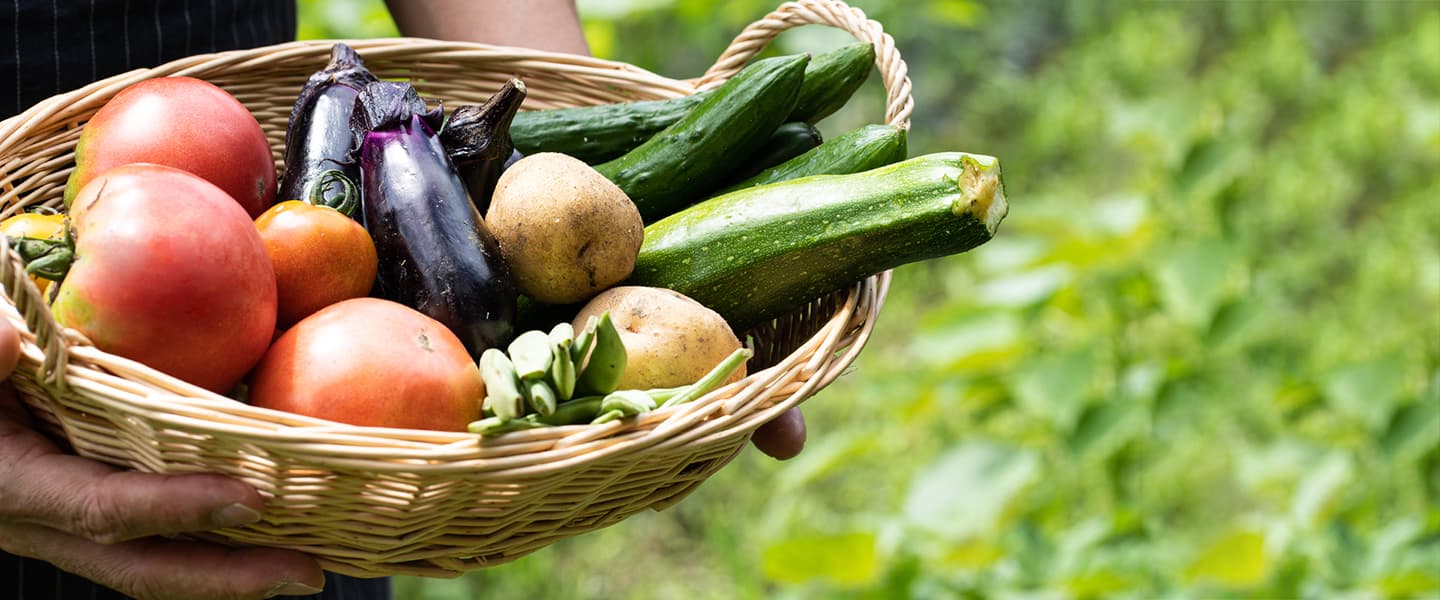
[373, 501]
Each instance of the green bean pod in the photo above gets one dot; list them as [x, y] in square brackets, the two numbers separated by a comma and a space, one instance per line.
[584, 340]
[502, 385]
[540, 396]
[601, 374]
[530, 352]
[624, 403]
[562, 368]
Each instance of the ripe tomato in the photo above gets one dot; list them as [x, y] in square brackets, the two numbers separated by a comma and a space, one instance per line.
[169, 271]
[39, 225]
[182, 122]
[371, 362]
[320, 257]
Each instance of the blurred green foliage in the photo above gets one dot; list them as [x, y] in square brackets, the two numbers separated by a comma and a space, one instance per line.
[1200, 360]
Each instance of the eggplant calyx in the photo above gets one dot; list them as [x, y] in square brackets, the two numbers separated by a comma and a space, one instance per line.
[345, 68]
[477, 133]
[391, 104]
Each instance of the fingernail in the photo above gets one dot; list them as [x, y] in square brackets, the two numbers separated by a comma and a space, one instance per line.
[293, 588]
[234, 515]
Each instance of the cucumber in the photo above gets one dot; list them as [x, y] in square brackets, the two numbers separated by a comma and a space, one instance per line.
[854, 151]
[788, 141]
[689, 159]
[761, 252]
[833, 77]
[596, 134]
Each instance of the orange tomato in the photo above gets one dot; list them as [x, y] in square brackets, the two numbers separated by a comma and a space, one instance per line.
[38, 225]
[320, 257]
[371, 362]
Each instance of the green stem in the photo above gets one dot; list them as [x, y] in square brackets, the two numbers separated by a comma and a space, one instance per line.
[573, 412]
[713, 379]
[46, 258]
[347, 201]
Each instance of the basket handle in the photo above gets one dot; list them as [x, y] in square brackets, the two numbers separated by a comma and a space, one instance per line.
[38, 319]
[899, 102]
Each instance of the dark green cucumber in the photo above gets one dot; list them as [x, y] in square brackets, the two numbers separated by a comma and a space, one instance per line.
[833, 77]
[788, 141]
[854, 151]
[761, 252]
[685, 162]
[596, 134]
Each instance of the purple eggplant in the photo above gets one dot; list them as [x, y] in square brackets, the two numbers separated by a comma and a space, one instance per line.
[436, 255]
[318, 139]
[480, 179]
[477, 138]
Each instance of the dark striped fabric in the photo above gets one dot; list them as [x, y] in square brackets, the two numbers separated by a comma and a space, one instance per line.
[60, 45]
[27, 579]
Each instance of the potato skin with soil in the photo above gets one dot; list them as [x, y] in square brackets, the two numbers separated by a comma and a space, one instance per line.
[565, 230]
[670, 339]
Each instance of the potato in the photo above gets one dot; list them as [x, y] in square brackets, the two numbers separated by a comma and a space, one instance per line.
[565, 230]
[670, 339]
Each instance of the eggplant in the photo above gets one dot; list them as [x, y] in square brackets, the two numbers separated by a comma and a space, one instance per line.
[480, 179]
[477, 138]
[436, 255]
[318, 139]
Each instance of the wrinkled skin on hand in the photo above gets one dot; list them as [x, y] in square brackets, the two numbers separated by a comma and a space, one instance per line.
[106, 524]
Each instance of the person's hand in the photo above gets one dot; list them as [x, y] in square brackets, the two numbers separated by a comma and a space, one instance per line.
[782, 438]
[103, 524]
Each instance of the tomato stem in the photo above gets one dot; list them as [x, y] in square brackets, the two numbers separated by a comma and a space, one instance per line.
[347, 201]
[46, 258]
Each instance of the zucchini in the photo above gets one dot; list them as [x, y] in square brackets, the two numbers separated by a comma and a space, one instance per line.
[596, 134]
[692, 157]
[788, 141]
[761, 252]
[858, 150]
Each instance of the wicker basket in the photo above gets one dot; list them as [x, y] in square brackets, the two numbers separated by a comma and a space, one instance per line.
[375, 501]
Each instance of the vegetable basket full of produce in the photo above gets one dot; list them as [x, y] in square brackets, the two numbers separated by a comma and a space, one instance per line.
[371, 500]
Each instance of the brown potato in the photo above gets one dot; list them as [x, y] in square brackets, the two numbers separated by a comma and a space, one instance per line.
[565, 230]
[670, 339]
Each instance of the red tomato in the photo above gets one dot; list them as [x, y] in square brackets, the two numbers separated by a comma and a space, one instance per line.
[170, 272]
[184, 123]
[371, 362]
[320, 257]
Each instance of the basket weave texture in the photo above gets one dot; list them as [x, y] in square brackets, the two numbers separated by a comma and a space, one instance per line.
[373, 501]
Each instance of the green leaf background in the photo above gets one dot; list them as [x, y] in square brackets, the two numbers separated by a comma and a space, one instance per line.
[1201, 359]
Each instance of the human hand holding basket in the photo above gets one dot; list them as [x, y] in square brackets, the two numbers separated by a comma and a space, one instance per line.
[376, 501]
